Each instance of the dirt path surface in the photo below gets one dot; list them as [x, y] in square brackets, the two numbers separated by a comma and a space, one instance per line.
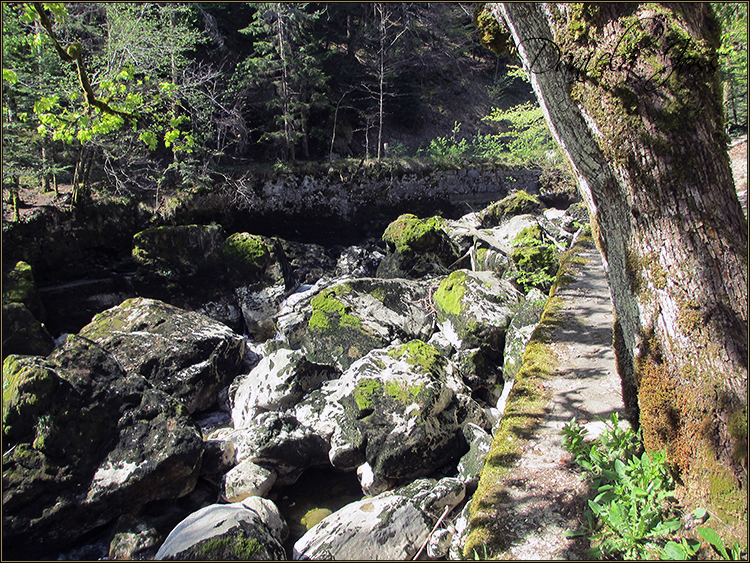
[545, 495]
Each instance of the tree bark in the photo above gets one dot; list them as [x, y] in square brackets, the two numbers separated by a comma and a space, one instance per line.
[632, 96]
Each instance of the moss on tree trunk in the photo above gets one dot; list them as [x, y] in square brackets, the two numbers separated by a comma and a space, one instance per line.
[631, 93]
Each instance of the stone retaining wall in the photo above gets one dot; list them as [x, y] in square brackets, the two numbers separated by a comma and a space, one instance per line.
[465, 190]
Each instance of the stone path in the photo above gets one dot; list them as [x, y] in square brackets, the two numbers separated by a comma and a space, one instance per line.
[545, 496]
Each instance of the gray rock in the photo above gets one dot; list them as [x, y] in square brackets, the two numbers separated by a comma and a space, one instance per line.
[87, 442]
[279, 441]
[279, 380]
[251, 530]
[259, 304]
[23, 333]
[460, 531]
[246, 479]
[390, 526]
[524, 321]
[417, 248]
[474, 309]
[183, 353]
[439, 544]
[471, 463]
[347, 320]
[399, 409]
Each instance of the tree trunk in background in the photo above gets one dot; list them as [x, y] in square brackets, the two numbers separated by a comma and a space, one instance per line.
[632, 95]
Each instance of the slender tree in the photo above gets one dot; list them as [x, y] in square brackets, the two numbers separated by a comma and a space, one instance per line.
[632, 94]
[286, 57]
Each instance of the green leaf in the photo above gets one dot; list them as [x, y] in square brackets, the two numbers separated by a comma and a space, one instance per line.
[714, 539]
[674, 551]
[10, 76]
[699, 513]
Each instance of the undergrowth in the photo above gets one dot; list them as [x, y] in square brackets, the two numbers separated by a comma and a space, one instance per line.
[634, 514]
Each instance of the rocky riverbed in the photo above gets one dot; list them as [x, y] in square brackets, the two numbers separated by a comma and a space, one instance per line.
[180, 422]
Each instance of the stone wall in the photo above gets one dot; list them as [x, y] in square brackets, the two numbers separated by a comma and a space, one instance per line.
[345, 197]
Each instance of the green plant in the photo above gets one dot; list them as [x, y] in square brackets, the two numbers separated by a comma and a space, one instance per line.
[536, 259]
[633, 514]
[449, 151]
[734, 553]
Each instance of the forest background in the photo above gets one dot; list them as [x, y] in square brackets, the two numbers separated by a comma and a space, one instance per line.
[129, 99]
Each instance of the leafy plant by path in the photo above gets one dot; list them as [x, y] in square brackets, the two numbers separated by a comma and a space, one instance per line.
[633, 515]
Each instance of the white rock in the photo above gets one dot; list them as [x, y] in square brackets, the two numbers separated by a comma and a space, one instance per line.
[247, 480]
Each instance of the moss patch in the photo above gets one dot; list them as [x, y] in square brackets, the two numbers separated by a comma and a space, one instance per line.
[240, 547]
[18, 285]
[450, 292]
[517, 203]
[364, 392]
[314, 516]
[424, 357]
[246, 253]
[328, 313]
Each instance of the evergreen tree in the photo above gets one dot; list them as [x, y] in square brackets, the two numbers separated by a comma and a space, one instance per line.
[286, 58]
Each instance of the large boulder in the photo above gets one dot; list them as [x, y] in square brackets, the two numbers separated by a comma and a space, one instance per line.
[84, 442]
[390, 526]
[23, 333]
[19, 287]
[417, 248]
[173, 260]
[347, 320]
[517, 203]
[400, 410]
[247, 479]
[183, 353]
[277, 440]
[251, 530]
[279, 380]
[474, 310]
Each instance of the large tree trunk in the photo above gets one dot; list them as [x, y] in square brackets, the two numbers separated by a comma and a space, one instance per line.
[633, 98]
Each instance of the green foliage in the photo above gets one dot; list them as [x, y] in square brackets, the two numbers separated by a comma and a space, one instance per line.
[287, 59]
[450, 150]
[527, 140]
[733, 553]
[528, 137]
[733, 60]
[536, 257]
[634, 514]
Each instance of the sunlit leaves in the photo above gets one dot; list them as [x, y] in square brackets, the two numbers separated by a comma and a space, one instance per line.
[149, 139]
[10, 75]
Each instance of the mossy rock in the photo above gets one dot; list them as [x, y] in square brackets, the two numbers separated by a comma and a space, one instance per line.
[416, 248]
[337, 339]
[409, 232]
[474, 309]
[173, 261]
[86, 443]
[517, 203]
[23, 333]
[422, 356]
[246, 256]
[19, 287]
